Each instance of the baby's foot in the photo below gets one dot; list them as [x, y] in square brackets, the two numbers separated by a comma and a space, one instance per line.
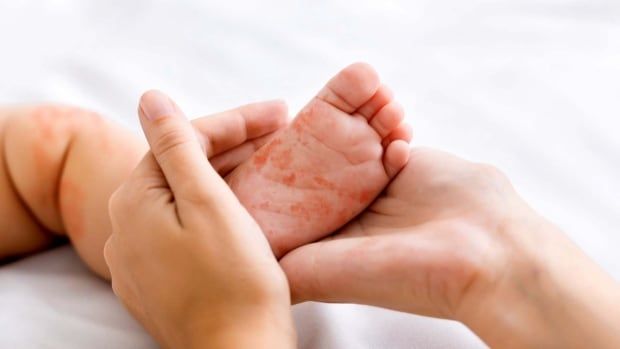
[338, 154]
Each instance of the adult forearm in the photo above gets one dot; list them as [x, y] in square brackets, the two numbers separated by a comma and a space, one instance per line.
[552, 295]
[267, 327]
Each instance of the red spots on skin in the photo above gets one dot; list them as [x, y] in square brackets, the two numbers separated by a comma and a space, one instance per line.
[289, 180]
[362, 197]
[365, 196]
[323, 207]
[260, 159]
[323, 183]
[263, 154]
[263, 205]
[301, 210]
[297, 207]
[282, 159]
[303, 119]
[313, 208]
[71, 208]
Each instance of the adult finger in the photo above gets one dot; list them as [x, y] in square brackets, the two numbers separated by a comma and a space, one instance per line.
[122, 283]
[229, 160]
[227, 130]
[389, 271]
[175, 146]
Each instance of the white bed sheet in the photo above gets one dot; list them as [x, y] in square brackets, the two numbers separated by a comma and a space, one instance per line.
[529, 85]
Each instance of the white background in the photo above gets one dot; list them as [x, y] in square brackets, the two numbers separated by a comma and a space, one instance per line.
[531, 86]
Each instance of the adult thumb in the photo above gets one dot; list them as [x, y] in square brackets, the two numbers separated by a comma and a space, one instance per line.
[389, 271]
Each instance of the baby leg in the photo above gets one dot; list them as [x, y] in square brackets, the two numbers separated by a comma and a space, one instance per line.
[61, 166]
[20, 233]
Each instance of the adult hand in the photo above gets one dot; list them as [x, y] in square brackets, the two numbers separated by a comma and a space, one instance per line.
[452, 239]
[185, 257]
[232, 136]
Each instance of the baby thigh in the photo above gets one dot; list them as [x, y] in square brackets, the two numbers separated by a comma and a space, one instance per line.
[101, 156]
[20, 232]
[65, 163]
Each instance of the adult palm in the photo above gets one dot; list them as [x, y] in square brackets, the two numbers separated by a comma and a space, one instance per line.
[433, 238]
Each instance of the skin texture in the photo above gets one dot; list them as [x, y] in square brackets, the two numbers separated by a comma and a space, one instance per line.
[335, 157]
[60, 164]
[195, 226]
[449, 238]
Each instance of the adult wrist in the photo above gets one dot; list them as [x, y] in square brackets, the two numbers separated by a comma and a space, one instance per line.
[261, 326]
[550, 294]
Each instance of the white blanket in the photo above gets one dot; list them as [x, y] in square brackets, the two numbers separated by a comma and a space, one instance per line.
[531, 86]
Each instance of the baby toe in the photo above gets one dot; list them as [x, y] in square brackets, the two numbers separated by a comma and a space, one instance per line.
[388, 118]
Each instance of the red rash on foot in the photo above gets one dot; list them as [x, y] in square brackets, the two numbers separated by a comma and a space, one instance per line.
[282, 160]
[289, 180]
[324, 207]
[300, 210]
[260, 159]
[274, 144]
[296, 207]
[263, 154]
[303, 120]
[324, 183]
[314, 207]
[365, 196]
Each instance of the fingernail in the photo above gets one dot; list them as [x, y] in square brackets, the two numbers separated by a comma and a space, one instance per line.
[156, 105]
